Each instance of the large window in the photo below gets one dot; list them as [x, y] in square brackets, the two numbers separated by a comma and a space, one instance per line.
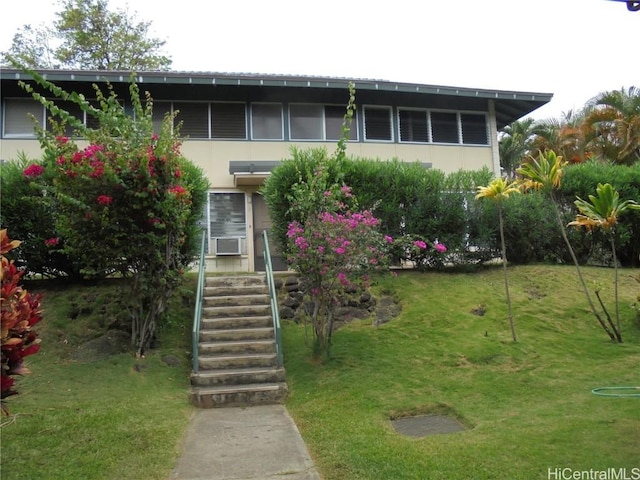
[317, 122]
[228, 121]
[414, 126]
[194, 118]
[17, 117]
[377, 123]
[444, 127]
[266, 121]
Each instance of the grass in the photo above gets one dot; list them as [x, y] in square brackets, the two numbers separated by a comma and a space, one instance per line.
[117, 418]
[528, 405]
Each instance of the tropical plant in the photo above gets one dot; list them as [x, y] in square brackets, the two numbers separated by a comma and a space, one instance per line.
[88, 35]
[19, 313]
[515, 144]
[613, 125]
[602, 211]
[123, 202]
[545, 174]
[563, 135]
[498, 191]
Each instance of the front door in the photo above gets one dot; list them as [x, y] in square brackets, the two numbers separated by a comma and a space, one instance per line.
[262, 222]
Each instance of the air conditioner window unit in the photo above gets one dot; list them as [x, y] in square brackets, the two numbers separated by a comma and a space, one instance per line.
[228, 246]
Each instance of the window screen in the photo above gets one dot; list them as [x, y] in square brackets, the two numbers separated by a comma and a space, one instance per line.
[474, 128]
[413, 126]
[228, 120]
[194, 118]
[377, 123]
[17, 116]
[266, 121]
[444, 127]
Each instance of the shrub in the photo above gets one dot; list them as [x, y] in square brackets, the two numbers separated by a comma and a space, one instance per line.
[19, 312]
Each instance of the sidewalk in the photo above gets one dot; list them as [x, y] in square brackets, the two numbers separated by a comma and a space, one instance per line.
[244, 443]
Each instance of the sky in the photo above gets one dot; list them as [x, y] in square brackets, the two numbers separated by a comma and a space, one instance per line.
[574, 49]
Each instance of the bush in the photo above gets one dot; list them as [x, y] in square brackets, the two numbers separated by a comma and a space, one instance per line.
[19, 312]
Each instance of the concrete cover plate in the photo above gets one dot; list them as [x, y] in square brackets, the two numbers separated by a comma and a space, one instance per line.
[423, 425]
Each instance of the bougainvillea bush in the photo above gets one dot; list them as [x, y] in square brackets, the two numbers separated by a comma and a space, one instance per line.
[19, 312]
[126, 201]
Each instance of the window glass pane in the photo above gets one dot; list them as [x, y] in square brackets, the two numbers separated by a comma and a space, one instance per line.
[334, 116]
[194, 118]
[266, 121]
[69, 107]
[17, 116]
[306, 122]
[474, 128]
[160, 109]
[228, 120]
[227, 215]
[377, 123]
[413, 126]
[444, 127]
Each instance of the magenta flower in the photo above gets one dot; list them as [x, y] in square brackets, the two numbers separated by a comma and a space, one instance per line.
[104, 200]
[420, 244]
[51, 242]
[440, 247]
[178, 190]
[33, 171]
[388, 239]
[339, 250]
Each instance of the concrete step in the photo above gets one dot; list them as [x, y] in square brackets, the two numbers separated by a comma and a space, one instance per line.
[223, 290]
[236, 300]
[237, 376]
[237, 347]
[233, 323]
[236, 334]
[236, 311]
[235, 281]
[238, 396]
[254, 360]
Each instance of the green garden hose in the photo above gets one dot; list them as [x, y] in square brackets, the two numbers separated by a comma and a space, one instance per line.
[605, 391]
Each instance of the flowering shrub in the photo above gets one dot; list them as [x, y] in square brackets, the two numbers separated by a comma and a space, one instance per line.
[19, 312]
[334, 253]
[422, 254]
[127, 202]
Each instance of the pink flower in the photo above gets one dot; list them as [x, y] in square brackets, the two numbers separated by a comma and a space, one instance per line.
[388, 239]
[62, 140]
[178, 190]
[33, 171]
[346, 191]
[51, 242]
[440, 247]
[342, 278]
[104, 199]
[339, 250]
[321, 249]
[420, 244]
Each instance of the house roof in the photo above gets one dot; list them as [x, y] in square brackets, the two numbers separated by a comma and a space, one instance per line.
[509, 105]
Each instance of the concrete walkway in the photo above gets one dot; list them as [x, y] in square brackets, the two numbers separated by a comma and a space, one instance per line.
[244, 443]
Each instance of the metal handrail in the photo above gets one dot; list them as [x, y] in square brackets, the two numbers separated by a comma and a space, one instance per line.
[197, 314]
[273, 295]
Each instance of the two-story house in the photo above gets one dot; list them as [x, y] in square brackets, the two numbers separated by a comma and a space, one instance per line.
[240, 126]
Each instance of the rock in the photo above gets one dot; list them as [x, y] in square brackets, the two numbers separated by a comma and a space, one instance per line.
[111, 343]
[171, 360]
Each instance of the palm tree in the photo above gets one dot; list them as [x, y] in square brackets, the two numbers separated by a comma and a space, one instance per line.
[515, 144]
[545, 174]
[499, 190]
[602, 211]
[564, 136]
[613, 125]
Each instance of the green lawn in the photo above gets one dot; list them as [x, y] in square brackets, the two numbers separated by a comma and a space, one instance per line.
[528, 405]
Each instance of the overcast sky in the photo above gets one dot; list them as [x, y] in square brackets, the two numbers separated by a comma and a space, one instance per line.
[574, 49]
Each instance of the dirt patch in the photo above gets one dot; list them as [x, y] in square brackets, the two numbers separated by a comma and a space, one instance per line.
[424, 425]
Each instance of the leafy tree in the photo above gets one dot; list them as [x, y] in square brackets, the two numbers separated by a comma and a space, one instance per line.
[564, 136]
[545, 174]
[88, 35]
[123, 202]
[19, 312]
[601, 211]
[613, 125]
[515, 144]
[498, 191]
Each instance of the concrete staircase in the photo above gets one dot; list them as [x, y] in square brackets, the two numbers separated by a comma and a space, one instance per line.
[237, 351]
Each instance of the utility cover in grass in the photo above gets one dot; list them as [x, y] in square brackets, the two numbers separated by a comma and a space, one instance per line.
[423, 425]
